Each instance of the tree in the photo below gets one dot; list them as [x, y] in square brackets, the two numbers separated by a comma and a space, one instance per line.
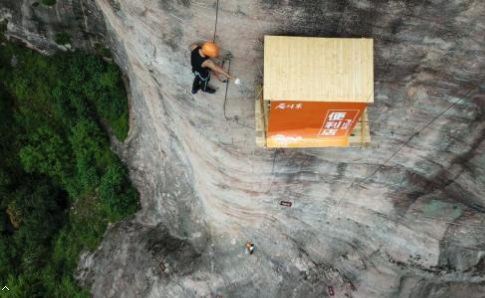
[115, 192]
[60, 183]
[46, 153]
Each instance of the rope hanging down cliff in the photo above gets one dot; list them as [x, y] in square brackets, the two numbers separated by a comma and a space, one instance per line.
[227, 58]
[215, 23]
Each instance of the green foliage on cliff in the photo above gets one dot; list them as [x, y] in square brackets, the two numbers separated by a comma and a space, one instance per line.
[63, 38]
[60, 184]
[49, 2]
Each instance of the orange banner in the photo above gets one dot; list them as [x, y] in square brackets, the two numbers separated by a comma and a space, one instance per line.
[301, 124]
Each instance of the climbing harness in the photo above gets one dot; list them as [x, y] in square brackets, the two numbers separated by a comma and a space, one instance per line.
[205, 80]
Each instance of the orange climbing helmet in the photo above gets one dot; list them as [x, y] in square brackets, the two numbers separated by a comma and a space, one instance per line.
[210, 49]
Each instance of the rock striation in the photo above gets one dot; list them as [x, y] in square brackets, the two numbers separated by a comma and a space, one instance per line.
[64, 25]
[403, 218]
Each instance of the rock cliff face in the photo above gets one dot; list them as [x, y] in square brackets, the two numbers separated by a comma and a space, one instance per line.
[58, 26]
[403, 218]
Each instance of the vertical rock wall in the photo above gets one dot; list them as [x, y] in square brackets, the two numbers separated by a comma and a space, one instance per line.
[400, 219]
[403, 218]
[47, 28]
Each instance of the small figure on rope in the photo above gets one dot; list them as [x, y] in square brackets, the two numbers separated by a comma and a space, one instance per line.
[203, 66]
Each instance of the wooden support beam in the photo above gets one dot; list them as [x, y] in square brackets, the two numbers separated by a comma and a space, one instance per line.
[360, 136]
[260, 118]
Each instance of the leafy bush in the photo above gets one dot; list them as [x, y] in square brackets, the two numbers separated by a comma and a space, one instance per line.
[60, 184]
[49, 2]
[47, 153]
[118, 200]
[63, 38]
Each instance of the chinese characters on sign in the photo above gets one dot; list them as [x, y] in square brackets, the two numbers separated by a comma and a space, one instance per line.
[290, 106]
[338, 123]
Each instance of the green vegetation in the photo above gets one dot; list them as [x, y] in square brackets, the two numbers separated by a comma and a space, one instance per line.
[63, 38]
[60, 185]
[49, 2]
[102, 50]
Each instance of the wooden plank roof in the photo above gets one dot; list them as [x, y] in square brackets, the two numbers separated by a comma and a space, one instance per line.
[318, 69]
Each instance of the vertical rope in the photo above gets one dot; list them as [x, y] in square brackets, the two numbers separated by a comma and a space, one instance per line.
[227, 87]
[417, 134]
[215, 23]
[362, 130]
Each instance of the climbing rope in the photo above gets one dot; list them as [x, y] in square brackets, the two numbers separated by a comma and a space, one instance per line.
[272, 170]
[228, 59]
[405, 143]
[227, 87]
[215, 23]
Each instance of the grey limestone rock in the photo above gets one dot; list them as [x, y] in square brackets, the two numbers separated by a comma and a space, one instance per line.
[403, 218]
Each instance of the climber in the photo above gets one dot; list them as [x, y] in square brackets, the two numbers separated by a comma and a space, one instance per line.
[202, 66]
[249, 247]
